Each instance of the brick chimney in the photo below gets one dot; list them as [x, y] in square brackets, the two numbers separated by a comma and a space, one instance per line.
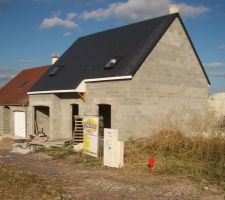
[174, 9]
[55, 57]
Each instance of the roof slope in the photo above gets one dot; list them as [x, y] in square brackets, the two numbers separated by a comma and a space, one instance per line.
[15, 91]
[86, 58]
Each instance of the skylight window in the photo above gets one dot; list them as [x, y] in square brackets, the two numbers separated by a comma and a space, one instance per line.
[112, 62]
[55, 69]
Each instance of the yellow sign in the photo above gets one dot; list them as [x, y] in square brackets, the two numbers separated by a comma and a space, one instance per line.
[90, 125]
[91, 128]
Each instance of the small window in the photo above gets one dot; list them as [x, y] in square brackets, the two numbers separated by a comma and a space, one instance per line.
[113, 61]
[55, 69]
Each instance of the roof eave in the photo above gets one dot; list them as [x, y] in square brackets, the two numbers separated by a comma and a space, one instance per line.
[81, 88]
[14, 104]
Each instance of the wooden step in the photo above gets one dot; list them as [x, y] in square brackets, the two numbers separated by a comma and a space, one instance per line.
[77, 135]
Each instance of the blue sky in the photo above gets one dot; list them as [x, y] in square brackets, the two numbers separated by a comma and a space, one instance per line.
[32, 30]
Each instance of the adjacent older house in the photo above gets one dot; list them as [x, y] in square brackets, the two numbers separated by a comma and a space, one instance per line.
[14, 102]
[136, 76]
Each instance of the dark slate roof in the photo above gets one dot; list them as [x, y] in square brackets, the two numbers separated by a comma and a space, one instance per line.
[15, 91]
[87, 57]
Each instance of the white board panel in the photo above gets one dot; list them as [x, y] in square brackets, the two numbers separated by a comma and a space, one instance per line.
[20, 124]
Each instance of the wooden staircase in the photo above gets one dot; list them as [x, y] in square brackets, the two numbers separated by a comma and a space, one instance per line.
[78, 132]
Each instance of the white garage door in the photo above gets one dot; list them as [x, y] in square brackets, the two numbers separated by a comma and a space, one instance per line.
[20, 124]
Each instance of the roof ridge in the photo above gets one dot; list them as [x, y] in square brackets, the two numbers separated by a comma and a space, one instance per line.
[127, 25]
[32, 68]
[88, 55]
[147, 47]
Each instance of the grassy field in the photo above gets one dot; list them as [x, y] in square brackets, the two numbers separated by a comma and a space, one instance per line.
[199, 157]
[196, 156]
[16, 184]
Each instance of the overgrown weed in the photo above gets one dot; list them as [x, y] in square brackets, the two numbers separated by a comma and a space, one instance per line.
[176, 153]
[68, 153]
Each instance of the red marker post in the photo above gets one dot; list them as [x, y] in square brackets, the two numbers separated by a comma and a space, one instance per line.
[151, 162]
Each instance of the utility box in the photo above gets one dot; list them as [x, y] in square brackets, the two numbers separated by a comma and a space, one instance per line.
[113, 149]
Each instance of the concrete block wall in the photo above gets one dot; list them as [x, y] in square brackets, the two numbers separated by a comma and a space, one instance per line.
[60, 112]
[66, 101]
[7, 118]
[169, 87]
[47, 100]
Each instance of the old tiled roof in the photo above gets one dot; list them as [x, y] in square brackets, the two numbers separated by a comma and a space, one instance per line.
[15, 91]
[89, 56]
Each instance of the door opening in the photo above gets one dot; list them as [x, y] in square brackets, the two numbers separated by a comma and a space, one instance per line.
[41, 120]
[75, 111]
[104, 110]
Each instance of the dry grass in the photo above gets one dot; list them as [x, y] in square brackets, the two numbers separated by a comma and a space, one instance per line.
[196, 155]
[59, 152]
[67, 153]
[16, 184]
[216, 124]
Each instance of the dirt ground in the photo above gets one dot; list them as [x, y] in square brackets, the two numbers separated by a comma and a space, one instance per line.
[81, 182]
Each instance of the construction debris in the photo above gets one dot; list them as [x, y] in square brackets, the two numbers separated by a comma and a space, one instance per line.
[39, 136]
[50, 143]
[21, 140]
[78, 148]
[22, 148]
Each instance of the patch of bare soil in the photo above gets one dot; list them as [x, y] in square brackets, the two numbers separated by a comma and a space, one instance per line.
[82, 182]
[6, 144]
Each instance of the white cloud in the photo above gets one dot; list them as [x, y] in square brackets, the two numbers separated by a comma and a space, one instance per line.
[215, 64]
[57, 21]
[221, 47]
[217, 75]
[71, 15]
[192, 11]
[130, 10]
[5, 70]
[6, 73]
[67, 34]
[133, 10]
[5, 77]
